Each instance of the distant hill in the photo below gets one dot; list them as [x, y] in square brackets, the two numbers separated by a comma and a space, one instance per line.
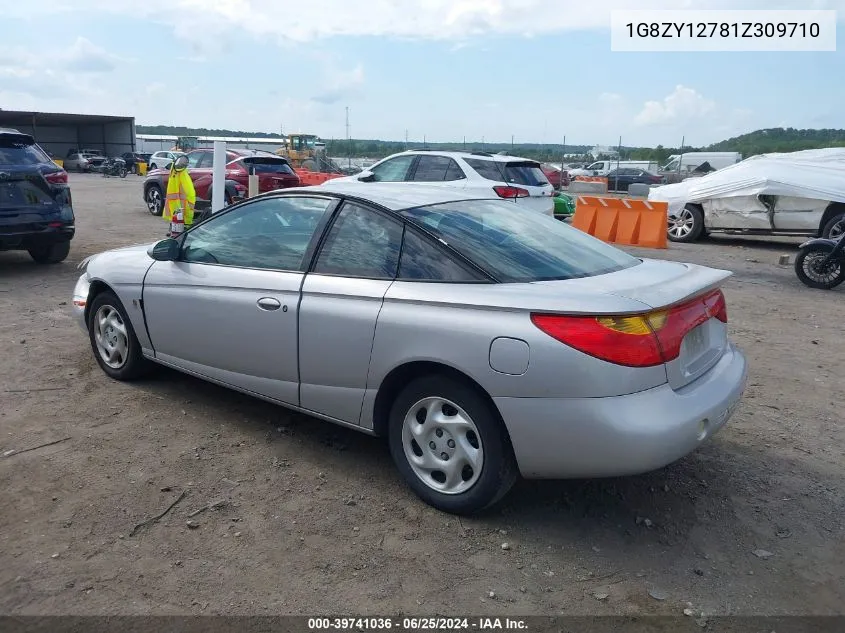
[780, 140]
[758, 142]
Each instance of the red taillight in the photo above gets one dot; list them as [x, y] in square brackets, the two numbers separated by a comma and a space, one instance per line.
[56, 225]
[510, 192]
[637, 340]
[56, 177]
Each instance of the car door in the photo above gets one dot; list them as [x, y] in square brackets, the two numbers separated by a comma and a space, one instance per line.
[227, 309]
[341, 300]
[437, 171]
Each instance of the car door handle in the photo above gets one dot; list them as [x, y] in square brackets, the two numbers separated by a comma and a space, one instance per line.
[269, 303]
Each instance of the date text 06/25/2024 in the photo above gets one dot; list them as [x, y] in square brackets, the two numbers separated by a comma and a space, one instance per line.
[417, 624]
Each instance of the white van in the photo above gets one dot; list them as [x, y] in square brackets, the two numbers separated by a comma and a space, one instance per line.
[604, 167]
[680, 166]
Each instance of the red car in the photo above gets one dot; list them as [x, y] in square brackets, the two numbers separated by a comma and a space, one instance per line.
[274, 172]
[556, 177]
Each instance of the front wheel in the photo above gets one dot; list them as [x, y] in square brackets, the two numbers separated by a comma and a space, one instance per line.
[687, 226]
[813, 273]
[450, 445]
[113, 339]
[155, 201]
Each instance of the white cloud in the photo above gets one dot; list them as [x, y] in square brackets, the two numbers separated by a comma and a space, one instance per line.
[340, 85]
[682, 105]
[86, 57]
[204, 21]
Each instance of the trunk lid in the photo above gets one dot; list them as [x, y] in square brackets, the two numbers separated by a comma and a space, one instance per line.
[660, 285]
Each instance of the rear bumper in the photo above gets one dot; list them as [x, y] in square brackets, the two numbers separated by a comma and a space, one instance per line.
[24, 237]
[622, 435]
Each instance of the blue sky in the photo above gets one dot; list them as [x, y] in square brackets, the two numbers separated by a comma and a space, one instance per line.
[445, 69]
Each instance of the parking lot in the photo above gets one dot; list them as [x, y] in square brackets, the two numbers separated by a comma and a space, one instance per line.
[289, 514]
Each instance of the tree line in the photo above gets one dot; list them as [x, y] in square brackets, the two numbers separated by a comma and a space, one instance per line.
[757, 142]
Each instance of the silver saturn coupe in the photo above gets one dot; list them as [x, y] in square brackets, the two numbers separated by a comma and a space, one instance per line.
[483, 341]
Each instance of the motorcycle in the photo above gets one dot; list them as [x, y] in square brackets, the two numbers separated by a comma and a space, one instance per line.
[114, 167]
[821, 263]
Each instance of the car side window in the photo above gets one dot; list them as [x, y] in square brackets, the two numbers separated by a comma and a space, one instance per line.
[393, 170]
[270, 234]
[361, 243]
[487, 169]
[431, 169]
[454, 172]
[423, 261]
[195, 159]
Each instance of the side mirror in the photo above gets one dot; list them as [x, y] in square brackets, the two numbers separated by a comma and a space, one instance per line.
[366, 176]
[166, 250]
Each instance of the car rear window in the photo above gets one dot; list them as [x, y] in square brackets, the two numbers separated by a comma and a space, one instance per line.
[15, 152]
[512, 172]
[514, 245]
[268, 166]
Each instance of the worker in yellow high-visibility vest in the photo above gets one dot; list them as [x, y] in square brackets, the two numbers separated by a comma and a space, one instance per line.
[181, 198]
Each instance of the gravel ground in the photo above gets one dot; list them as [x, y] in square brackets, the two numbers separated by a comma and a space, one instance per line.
[306, 517]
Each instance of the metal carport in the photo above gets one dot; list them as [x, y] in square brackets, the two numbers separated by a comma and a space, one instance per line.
[60, 133]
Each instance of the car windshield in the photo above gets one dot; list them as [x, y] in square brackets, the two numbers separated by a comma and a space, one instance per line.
[15, 152]
[268, 166]
[515, 245]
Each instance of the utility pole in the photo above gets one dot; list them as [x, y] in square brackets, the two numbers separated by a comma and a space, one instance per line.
[348, 143]
[563, 155]
[425, 142]
[511, 141]
[618, 158]
[406, 139]
[465, 143]
[482, 143]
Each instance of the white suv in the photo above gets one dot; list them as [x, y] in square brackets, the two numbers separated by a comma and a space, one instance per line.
[162, 160]
[508, 177]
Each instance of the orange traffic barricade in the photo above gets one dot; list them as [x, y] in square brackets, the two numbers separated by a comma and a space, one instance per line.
[310, 178]
[623, 221]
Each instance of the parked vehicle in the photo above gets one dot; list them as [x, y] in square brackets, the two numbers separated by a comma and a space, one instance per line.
[163, 159]
[820, 262]
[681, 166]
[557, 177]
[604, 167]
[797, 193]
[114, 167]
[36, 211]
[132, 160]
[84, 161]
[273, 172]
[476, 173]
[410, 312]
[621, 179]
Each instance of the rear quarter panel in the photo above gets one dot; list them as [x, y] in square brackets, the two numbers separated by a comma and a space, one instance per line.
[419, 322]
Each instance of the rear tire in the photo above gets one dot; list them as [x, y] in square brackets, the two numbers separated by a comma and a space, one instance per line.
[123, 172]
[50, 254]
[114, 343]
[820, 281]
[835, 227]
[437, 416]
[688, 226]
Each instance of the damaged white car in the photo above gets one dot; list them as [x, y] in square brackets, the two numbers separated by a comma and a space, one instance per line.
[799, 193]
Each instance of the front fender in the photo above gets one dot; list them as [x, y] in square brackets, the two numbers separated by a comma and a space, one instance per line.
[819, 241]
